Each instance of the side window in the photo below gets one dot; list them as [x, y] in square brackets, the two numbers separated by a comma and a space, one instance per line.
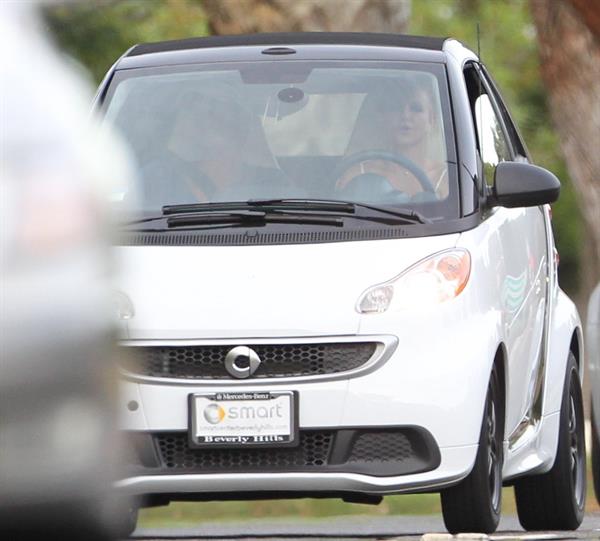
[511, 129]
[492, 142]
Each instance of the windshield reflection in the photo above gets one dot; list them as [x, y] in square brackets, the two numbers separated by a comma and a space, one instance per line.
[374, 135]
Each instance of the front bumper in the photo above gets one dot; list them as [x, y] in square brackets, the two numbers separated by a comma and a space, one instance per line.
[440, 391]
[451, 470]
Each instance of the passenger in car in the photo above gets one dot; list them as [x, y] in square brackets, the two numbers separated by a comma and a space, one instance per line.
[216, 151]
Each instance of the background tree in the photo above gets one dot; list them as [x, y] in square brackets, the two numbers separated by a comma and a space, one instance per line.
[247, 16]
[97, 33]
[569, 38]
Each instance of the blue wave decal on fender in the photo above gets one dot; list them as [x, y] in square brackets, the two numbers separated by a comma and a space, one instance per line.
[513, 291]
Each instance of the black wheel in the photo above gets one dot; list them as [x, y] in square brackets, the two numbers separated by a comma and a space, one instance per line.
[595, 457]
[556, 500]
[474, 504]
[126, 522]
[113, 518]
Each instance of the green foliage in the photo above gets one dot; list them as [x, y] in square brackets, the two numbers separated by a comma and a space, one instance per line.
[188, 513]
[193, 513]
[98, 33]
[181, 513]
[509, 49]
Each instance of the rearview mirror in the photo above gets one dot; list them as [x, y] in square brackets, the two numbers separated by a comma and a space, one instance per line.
[518, 184]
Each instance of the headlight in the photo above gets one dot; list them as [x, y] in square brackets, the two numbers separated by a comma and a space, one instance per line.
[123, 305]
[433, 280]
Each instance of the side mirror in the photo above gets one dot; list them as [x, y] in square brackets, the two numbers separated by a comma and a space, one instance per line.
[518, 184]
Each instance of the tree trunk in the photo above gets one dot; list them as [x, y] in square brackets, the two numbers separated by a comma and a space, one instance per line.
[569, 45]
[248, 16]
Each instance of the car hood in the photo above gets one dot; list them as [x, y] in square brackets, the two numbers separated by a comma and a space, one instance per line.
[258, 291]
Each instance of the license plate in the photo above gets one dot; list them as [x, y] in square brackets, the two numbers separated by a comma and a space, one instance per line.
[243, 419]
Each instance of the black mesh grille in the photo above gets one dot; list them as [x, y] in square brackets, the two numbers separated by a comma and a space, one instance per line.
[388, 446]
[278, 360]
[313, 450]
[382, 451]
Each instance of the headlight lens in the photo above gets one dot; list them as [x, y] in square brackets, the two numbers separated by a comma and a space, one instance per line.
[433, 280]
[123, 305]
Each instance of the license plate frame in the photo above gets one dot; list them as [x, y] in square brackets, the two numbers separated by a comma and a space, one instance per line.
[199, 425]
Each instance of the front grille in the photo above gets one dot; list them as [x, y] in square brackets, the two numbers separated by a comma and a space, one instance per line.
[278, 360]
[381, 451]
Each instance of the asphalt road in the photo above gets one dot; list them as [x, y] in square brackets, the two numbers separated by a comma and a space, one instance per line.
[404, 528]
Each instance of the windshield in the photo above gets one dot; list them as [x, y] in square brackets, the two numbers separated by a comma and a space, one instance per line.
[376, 133]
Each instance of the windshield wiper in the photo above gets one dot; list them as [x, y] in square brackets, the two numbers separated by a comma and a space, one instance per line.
[303, 206]
[258, 204]
[248, 218]
[342, 206]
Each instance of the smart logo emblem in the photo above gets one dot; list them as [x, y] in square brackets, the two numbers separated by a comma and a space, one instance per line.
[214, 414]
[241, 362]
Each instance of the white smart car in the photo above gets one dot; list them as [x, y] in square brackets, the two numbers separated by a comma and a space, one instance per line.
[341, 281]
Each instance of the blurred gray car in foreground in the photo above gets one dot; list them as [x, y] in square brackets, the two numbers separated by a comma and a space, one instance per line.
[58, 448]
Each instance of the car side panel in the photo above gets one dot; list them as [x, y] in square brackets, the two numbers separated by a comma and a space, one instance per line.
[564, 323]
[523, 300]
[538, 453]
[511, 261]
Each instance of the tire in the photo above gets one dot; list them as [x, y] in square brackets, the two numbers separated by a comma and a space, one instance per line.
[595, 458]
[127, 521]
[114, 518]
[474, 504]
[556, 500]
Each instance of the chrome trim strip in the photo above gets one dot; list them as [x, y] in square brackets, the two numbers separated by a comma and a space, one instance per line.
[386, 346]
[285, 482]
[525, 431]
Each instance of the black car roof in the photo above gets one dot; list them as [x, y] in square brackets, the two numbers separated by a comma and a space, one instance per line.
[293, 38]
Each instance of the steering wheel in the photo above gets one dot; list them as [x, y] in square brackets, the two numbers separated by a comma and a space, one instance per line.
[371, 155]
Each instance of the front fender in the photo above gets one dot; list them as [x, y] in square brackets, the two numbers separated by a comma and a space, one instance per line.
[564, 324]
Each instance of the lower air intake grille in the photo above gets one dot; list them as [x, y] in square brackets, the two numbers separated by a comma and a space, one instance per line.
[381, 447]
[313, 451]
[373, 451]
